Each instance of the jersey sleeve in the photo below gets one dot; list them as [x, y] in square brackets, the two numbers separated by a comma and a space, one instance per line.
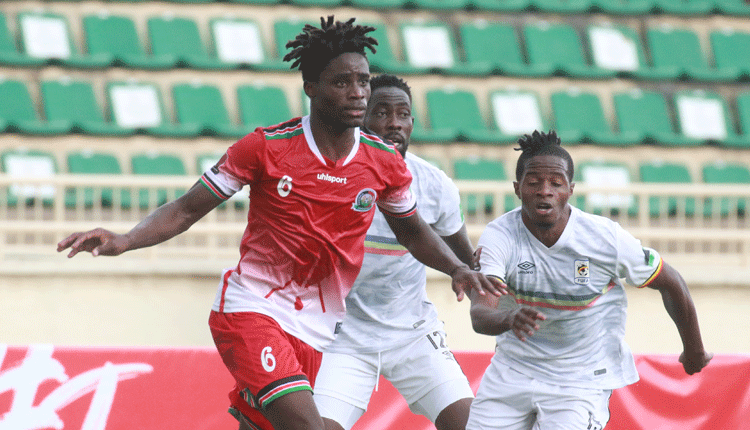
[397, 199]
[639, 265]
[239, 166]
[451, 218]
[496, 246]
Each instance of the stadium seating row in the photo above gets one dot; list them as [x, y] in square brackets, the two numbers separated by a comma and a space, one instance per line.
[453, 114]
[40, 164]
[617, 7]
[548, 49]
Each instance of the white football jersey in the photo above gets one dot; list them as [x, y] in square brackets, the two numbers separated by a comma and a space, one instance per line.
[577, 284]
[388, 304]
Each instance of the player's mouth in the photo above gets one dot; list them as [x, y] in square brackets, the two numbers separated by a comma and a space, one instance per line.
[543, 208]
[356, 112]
[396, 138]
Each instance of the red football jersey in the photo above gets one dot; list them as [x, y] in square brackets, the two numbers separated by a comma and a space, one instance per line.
[304, 241]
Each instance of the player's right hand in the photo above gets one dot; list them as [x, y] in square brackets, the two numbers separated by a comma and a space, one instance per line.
[98, 242]
[523, 322]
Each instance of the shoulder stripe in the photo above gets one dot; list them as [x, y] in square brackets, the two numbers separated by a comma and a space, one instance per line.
[282, 387]
[206, 181]
[654, 275]
[284, 130]
[405, 214]
[376, 142]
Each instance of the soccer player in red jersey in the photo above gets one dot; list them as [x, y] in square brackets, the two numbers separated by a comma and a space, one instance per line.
[314, 185]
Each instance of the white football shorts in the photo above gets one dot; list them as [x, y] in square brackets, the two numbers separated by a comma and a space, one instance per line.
[509, 400]
[424, 372]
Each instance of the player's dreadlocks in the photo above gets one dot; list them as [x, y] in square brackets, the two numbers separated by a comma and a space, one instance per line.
[315, 47]
[541, 144]
[387, 80]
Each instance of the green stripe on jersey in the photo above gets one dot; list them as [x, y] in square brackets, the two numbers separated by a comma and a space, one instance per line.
[377, 145]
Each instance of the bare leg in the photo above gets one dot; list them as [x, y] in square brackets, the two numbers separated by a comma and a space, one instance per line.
[294, 411]
[454, 416]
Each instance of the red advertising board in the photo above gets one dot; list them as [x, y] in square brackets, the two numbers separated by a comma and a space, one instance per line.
[49, 387]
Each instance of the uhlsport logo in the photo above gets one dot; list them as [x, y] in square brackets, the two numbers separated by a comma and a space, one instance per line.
[582, 272]
[365, 200]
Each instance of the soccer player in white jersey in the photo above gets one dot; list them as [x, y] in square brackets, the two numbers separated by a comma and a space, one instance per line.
[391, 328]
[560, 349]
[315, 183]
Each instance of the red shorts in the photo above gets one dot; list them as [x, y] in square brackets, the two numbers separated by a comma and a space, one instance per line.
[265, 361]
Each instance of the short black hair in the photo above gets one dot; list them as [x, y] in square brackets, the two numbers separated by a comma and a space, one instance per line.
[315, 47]
[541, 143]
[387, 80]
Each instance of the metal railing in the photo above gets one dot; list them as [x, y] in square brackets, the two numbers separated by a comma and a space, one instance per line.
[701, 228]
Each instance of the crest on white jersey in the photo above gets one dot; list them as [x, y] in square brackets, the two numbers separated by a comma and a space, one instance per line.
[582, 272]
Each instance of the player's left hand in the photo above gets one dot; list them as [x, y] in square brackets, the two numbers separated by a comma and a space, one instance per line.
[694, 363]
[464, 279]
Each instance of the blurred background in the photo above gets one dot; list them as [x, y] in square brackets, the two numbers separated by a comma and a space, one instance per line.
[108, 109]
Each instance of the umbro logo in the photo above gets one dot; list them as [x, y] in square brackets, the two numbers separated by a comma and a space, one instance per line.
[526, 267]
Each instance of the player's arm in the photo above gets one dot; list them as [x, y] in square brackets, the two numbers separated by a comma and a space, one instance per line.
[680, 307]
[427, 247]
[460, 244]
[487, 318]
[164, 223]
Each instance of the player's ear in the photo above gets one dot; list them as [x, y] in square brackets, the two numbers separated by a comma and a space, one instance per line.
[517, 188]
[309, 88]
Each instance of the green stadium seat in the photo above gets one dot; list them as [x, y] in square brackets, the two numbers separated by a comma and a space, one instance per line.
[625, 7]
[267, 2]
[384, 61]
[421, 133]
[70, 101]
[743, 115]
[9, 54]
[704, 115]
[613, 173]
[138, 106]
[240, 42]
[501, 5]
[431, 46]
[177, 40]
[677, 52]
[483, 169]
[558, 47]
[685, 7]
[733, 7]
[202, 105]
[46, 36]
[503, 56]
[18, 115]
[438, 5]
[721, 172]
[563, 6]
[316, 3]
[657, 171]
[516, 113]
[579, 118]
[154, 163]
[88, 162]
[731, 51]
[645, 114]
[115, 37]
[262, 105]
[458, 110]
[618, 48]
[25, 164]
[385, 5]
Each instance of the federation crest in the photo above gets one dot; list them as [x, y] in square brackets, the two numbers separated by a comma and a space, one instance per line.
[365, 200]
[581, 276]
